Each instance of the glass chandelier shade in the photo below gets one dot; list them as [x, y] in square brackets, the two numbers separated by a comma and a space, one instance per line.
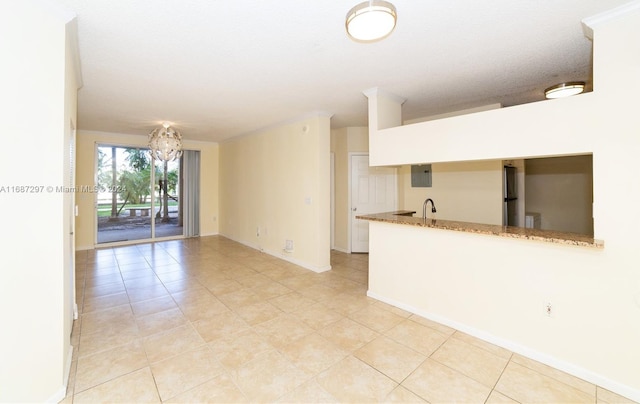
[165, 143]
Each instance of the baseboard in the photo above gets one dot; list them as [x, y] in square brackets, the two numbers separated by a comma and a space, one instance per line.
[343, 250]
[59, 396]
[570, 368]
[67, 367]
[209, 234]
[281, 255]
[132, 242]
[62, 391]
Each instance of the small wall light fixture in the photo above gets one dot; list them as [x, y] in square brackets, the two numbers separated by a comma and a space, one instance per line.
[371, 21]
[565, 89]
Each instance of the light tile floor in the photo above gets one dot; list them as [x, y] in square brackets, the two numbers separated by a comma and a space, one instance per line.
[210, 320]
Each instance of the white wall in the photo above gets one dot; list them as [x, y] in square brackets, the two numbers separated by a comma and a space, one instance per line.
[275, 186]
[595, 334]
[73, 81]
[39, 103]
[86, 163]
[481, 108]
[496, 288]
[561, 190]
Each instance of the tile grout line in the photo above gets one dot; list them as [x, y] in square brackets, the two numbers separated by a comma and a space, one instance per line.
[498, 380]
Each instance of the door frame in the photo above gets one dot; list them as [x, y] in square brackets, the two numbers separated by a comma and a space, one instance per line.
[152, 237]
[73, 212]
[97, 145]
[349, 201]
[332, 201]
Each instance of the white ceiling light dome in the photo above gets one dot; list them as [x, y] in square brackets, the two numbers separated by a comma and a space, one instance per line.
[565, 89]
[371, 20]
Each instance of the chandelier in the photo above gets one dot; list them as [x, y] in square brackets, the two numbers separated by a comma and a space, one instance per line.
[165, 143]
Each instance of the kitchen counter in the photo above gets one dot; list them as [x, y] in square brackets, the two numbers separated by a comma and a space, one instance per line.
[405, 218]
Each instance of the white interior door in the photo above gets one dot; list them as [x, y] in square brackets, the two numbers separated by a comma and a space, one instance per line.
[373, 190]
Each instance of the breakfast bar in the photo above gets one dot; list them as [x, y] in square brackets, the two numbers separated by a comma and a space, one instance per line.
[523, 289]
[404, 217]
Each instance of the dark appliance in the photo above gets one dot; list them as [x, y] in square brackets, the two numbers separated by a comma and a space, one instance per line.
[510, 196]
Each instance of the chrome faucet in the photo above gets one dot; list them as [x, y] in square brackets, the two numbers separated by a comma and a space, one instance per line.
[424, 207]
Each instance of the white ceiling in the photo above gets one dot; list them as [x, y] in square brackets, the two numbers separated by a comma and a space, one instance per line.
[222, 68]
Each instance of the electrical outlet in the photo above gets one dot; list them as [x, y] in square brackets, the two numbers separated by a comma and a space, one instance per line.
[288, 245]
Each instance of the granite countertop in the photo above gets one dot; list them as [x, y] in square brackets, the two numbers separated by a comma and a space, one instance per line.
[405, 218]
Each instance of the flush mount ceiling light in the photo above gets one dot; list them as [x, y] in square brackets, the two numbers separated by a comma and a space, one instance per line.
[565, 89]
[371, 20]
[165, 143]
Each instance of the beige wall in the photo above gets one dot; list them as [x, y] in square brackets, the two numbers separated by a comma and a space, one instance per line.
[275, 187]
[340, 191]
[464, 191]
[561, 190]
[38, 86]
[493, 287]
[86, 168]
[358, 139]
[343, 142]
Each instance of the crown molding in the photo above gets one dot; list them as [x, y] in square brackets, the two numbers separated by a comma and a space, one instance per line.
[589, 23]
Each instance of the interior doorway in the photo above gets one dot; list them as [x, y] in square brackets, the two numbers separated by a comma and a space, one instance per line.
[372, 190]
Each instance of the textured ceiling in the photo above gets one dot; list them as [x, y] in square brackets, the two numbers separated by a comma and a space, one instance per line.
[222, 68]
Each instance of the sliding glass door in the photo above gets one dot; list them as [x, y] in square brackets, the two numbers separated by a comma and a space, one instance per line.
[138, 198]
[167, 199]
